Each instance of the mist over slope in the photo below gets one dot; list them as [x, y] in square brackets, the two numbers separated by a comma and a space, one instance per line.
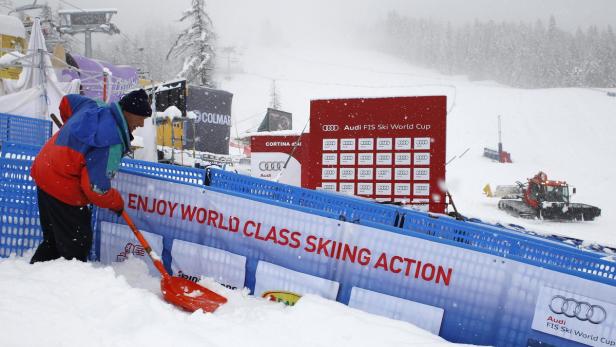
[564, 132]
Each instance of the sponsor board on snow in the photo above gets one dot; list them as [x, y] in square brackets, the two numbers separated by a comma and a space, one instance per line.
[575, 317]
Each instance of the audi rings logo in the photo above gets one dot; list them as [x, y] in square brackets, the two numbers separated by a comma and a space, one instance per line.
[581, 310]
[271, 165]
[330, 127]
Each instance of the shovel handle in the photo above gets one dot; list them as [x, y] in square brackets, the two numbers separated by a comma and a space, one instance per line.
[155, 258]
[56, 120]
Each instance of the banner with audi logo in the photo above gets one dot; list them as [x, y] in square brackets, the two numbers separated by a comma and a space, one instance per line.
[575, 317]
[270, 153]
[386, 149]
[330, 127]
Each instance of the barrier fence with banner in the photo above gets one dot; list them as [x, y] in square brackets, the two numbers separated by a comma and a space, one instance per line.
[467, 282]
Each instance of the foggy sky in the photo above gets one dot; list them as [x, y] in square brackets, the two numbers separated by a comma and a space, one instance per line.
[239, 20]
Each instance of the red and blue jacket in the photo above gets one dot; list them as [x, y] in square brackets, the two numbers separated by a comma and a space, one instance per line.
[76, 165]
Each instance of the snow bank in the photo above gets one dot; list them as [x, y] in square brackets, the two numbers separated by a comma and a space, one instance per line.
[69, 303]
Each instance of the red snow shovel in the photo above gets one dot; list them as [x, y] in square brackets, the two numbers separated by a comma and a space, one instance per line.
[176, 290]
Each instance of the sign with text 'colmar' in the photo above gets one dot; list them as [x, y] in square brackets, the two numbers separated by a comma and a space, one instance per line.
[388, 149]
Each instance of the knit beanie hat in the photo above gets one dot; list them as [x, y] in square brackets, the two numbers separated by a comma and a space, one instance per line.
[136, 102]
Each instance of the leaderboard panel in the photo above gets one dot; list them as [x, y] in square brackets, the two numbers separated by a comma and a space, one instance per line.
[388, 149]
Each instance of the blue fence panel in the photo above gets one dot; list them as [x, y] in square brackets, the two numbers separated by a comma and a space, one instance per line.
[350, 209]
[20, 228]
[174, 173]
[524, 248]
[10, 150]
[25, 130]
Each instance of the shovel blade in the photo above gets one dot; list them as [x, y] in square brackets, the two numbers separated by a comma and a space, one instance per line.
[189, 295]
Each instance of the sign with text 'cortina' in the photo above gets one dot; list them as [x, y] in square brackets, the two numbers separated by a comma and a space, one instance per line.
[388, 149]
[270, 154]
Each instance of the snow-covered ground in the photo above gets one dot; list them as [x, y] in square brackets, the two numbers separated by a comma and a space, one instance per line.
[564, 132]
[69, 303]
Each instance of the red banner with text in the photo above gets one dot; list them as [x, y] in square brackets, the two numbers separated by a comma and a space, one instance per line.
[387, 149]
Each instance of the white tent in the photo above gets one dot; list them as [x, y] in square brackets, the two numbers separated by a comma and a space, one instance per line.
[11, 26]
[37, 93]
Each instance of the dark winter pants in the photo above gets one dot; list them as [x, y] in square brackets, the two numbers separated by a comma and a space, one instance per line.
[67, 231]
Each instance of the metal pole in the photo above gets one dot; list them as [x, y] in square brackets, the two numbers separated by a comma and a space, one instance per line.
[88, 43]
[500, 142]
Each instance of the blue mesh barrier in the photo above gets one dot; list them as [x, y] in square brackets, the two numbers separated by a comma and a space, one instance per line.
[525, 248]
[179, 174]
[350, 209]
[25, 130]
[20, 228]
[513, 232]
[10, 150]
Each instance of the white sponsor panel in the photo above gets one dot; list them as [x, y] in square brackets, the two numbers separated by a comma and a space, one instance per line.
[421, 174]
[330, 159]
[270, 166]
[191, 260]
[364, 188]
[330, 144]
[366, 159]
[328, 173]
[383, 173]
[384, 144]
[348, 188]
[403, 158]
[421, 189]
[329, 186]
[347, 158]
[424, 316]
[347, 144]
[575, 317]
[366, 144]
[420, 205]
[402, 174]
[421, 158]
[383, 189]
[365, 173]
[271, 277]
[422, 143]
[347, 173]
[402, 189]
[403, 143]
[383, 159]
[118, 243]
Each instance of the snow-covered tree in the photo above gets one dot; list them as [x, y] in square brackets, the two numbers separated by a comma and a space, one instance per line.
[274, 96]
[196, 46]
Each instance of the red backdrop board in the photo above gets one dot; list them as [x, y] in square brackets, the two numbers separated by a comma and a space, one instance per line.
[271, 152]
[388, 149]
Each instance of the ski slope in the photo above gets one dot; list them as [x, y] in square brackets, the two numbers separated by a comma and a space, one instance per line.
[564, 132]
